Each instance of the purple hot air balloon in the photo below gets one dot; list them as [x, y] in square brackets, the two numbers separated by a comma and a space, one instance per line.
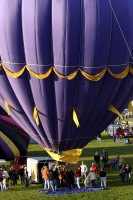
[63, 63]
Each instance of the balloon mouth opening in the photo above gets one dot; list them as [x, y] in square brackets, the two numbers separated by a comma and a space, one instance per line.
[69, 156]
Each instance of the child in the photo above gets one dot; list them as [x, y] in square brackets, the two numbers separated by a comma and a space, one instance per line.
[113, 163]
[5, 183]
[108, 165]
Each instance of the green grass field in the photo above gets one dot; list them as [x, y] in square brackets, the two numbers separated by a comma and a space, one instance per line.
[115, 189]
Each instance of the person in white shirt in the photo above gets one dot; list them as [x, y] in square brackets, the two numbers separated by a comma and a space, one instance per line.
[83, 171]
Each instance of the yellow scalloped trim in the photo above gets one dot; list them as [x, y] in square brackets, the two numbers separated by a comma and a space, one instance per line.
[71, 76]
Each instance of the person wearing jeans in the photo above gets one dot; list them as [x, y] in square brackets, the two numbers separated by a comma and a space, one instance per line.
[45, 174]
[46, 185]
[127, 172]
[103, 178]
[78, 175]
[92, 177]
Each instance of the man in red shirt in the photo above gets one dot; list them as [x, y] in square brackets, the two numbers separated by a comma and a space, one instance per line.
[78, 175]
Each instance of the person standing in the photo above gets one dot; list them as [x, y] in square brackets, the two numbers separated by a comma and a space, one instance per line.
[21, 175]
[92, 177]
[122, 173]
[45, 174]
[127, 171]
[83, 171]
[1, 181]
[117, 158]
[5, 183]
[61, 176]
[12, 175]
[6, 177]
[99, 138]
[26, 177]
[55, 177]
[70, 178]
[130, 168]
[104, 159]
[103, 178]
[113, 164]
[97, 159]
[114, 137]
[51, 179]
[78, 175]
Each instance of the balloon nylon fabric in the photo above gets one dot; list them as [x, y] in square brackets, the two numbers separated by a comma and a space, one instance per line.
[64, 56]
[13, 140]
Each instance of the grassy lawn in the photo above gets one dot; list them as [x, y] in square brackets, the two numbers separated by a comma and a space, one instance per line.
[115, 189]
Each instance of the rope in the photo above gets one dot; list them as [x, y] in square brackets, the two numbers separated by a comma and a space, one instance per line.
[120, 29]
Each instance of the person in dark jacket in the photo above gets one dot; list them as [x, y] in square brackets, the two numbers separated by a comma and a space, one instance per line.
[97, 159]
[1, 180]
[104, 159]
[26, 177]
[21, 175]
[70, 179]
[12, 174]
[103, 178]
[127, 172]
[55, 177]
[51, 179]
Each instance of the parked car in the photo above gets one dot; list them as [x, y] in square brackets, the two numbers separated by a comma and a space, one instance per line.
[124, 132]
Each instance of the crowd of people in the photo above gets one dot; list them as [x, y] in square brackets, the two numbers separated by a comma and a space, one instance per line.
[115, 163]
[10, 177]
[63, 175]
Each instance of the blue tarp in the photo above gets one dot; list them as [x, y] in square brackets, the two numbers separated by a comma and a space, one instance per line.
[67, 191]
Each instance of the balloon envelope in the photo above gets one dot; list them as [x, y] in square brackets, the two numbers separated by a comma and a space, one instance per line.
[68, 59]
[13, 139]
